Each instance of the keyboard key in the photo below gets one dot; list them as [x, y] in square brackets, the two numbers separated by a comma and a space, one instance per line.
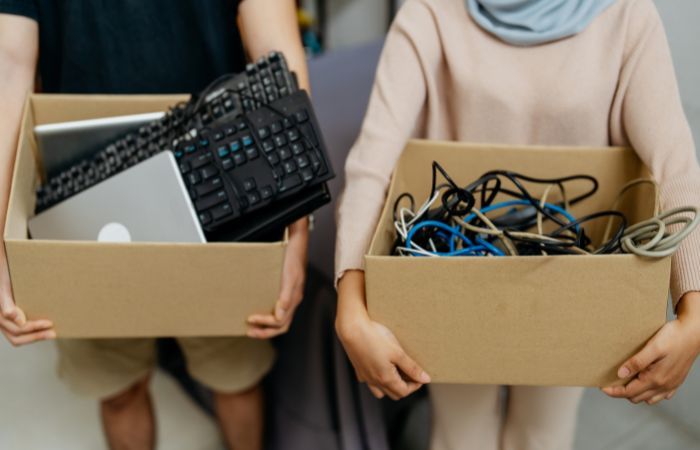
[273, 159]
[290, 182]
[293, 135]
[297, 148]
[276, 127]
[280, 140]
[264, 133]
[290, 167]
[179, 154]
[208, 172]
[301, 116]
[203, 143]
[287, 123]
[222, 151]
[268, 146]
[217, 111]
[201, 160]
[190, 149]
[252, 153]
[222, 211]
[247, 141]
[310, 135]
[285, 153]
[307, 174]
[266, 192]
[228, 105]
[193, 178]
[227, 164]
[208, 186]
[185, 167]
[254, 198]
[249, 184]
[302, 161]
[239, 159]
[210, 201]
[277, 173]
[218, 136]
[235, 146]
[242, 126]
[230, 131]
[314, 161]
[205, 218]
[206, 118]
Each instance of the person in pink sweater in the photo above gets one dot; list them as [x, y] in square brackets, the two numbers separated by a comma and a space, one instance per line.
[547, 72]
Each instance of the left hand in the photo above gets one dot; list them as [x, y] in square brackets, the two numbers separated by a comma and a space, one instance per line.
[660, 368]
[266, 326]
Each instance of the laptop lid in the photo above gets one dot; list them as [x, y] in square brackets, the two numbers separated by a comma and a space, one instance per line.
[145, 203]
[63, 144]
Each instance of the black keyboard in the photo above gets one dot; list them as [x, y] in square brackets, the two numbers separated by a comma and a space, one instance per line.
[223, 101]
[255, 162]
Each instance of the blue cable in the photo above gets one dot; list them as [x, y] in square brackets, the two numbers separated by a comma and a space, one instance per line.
[469, 249]
[482, 246]
[497, 206]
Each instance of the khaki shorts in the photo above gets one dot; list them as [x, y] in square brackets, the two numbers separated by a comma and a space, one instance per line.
[102, 368]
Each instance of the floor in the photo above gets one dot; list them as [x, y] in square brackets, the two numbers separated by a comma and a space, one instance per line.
[44, 414]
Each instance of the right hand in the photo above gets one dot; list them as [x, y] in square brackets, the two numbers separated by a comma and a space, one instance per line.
[373, 349]
[13, 322]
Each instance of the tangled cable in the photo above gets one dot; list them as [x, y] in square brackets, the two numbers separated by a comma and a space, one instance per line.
[468, 221]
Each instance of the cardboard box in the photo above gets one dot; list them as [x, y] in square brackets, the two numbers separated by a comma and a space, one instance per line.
[536, 320]
[92, 289]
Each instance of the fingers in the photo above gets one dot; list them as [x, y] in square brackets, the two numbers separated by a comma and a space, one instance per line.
[24, 339]
[7, 307]
[28, 327]
[646, 396]
[633, 389]
[670, 395]
[657, 398]
[411, 369]
[639, 362]
[267, 326]
[376, 391]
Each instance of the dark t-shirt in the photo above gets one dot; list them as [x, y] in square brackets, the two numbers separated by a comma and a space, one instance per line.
[133, 46]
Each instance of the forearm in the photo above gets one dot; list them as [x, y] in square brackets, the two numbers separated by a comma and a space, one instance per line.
[255, 20]
[17, 83]
[352, 307]
[18, 54]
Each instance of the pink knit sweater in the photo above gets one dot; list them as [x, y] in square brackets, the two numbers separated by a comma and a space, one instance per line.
[442, 77]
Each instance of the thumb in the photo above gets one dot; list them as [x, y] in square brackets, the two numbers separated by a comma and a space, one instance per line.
[646, 357]
[284, 302]
[411, 369]
[7, 307]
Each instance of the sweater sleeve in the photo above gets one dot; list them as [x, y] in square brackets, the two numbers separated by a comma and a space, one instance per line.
[654, 124]
[395, 106]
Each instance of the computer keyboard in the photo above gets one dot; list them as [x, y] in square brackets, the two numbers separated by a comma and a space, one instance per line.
[260, 159]
[225, 100]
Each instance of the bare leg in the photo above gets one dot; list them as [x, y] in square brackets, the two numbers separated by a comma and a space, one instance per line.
[128, 419]
[241, 418]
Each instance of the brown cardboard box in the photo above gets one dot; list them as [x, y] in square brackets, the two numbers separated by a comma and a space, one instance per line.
[94, 289]
[537, 320]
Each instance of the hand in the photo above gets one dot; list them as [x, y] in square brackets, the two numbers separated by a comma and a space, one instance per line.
[375, 352]
[13, 323]
[266, 326]
[663, 364]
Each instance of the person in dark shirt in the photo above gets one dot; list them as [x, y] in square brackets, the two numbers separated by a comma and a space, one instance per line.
[147, 46]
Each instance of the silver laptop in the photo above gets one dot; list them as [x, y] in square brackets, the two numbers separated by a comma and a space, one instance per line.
[63, 144]
[145, 203]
